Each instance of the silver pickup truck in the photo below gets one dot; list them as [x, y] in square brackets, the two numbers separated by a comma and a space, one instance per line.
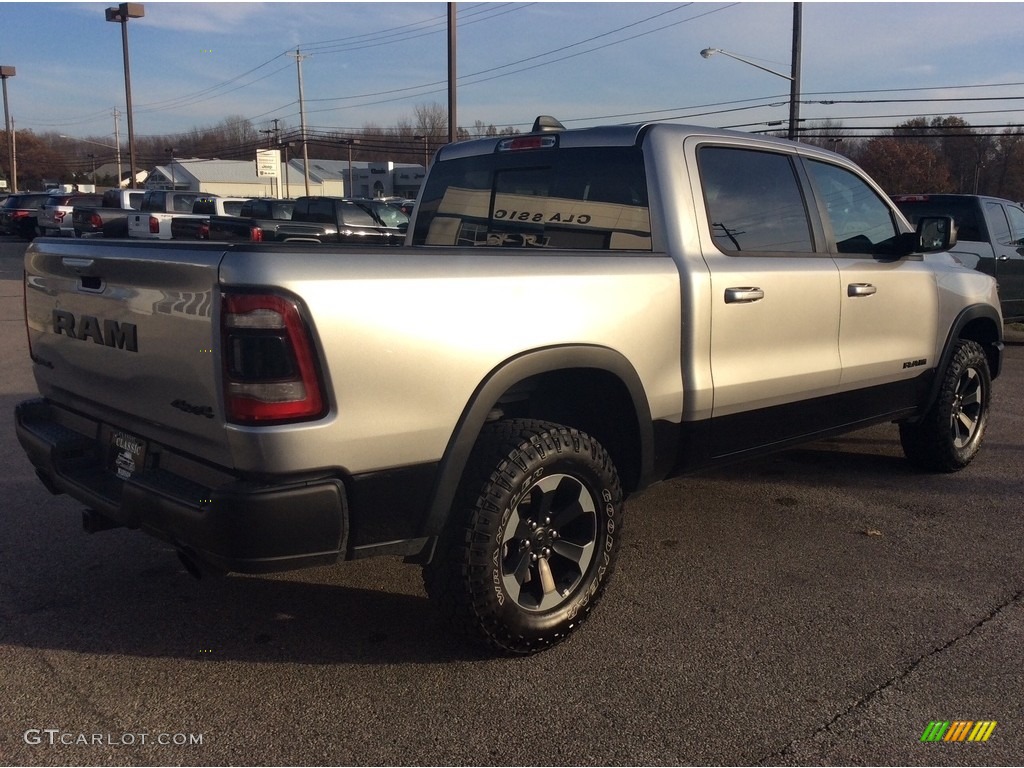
[576, 315]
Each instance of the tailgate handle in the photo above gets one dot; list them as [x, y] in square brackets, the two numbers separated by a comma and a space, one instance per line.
[78, 266]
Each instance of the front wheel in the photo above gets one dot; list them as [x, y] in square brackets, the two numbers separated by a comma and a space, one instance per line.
[950, 434]
[531, 539]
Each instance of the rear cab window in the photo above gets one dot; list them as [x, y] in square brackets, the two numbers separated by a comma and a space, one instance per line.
[592, 198]
[965, 212]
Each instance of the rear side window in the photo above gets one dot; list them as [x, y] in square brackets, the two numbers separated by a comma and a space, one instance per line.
[753, 201]
[1016, 216]
[233, 207]
[998, 226]
[591, 198]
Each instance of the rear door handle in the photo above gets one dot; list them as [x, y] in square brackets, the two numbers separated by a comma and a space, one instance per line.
[743, 295]
[860, 289]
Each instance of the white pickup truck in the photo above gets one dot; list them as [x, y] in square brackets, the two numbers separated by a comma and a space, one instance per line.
[575, 316]
[160, 207]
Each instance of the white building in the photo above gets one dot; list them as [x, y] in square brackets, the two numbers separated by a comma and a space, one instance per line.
[239, 178]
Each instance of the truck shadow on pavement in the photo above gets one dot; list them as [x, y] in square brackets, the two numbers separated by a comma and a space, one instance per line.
[122, 593]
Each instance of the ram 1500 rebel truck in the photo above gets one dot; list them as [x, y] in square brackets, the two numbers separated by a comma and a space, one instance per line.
[110, 219]
[575, 316]
[989, 238]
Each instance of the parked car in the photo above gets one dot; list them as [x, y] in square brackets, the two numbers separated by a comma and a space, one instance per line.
[55, 214]
[990, 238]
[18, 215]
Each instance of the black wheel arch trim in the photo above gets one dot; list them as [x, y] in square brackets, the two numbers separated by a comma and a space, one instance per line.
[500, 380]
[994, 353]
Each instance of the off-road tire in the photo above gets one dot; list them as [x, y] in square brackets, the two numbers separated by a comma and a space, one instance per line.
[531, 539]
[950, 434]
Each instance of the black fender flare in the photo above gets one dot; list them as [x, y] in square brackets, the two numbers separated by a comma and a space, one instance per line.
[502, 378]
[966, 316]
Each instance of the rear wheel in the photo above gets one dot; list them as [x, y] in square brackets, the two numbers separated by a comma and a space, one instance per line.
[531, 539]
[950, 434]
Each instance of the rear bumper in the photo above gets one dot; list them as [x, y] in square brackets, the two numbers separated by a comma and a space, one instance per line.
[229, 523]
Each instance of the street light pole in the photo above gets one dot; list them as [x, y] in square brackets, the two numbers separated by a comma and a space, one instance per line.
[120, 14]
[170, 151]
[115, 147]
[6, 72]
[424, 139]
[794, 77]
[349, 184]
[117, 144]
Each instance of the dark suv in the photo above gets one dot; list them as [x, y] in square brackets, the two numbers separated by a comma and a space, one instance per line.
[18, 214]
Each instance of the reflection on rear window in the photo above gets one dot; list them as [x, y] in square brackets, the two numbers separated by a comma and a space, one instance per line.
[586, 198]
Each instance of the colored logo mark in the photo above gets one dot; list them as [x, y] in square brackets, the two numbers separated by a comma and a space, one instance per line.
[958, 730]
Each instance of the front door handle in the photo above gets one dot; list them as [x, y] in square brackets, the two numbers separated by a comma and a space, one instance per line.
[860, 289]
[743, 295]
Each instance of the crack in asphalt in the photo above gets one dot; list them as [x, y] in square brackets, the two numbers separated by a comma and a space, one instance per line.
[779, 754]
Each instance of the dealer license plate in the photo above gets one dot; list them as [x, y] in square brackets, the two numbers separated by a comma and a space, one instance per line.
[127, 454]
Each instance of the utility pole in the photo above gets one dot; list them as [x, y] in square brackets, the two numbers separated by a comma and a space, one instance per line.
[117, 144]
[302, 119]
[6, 72]
[452, 120]
[794, 82]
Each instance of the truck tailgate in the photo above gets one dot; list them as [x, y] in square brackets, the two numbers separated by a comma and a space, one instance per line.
[125, 334]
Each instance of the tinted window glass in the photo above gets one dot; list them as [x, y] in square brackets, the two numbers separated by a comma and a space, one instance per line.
[321, 211]
[183, 203]
[356, 216]
[1016, 224]
[998, 226]
[965, 213]
[587, 198]
[233, 207]
[390, 216]
[861, 221]
[753, 200]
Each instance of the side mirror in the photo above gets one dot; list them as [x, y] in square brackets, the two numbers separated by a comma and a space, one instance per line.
[936, 233]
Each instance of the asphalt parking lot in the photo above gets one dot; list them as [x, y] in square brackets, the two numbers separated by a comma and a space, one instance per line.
[821, 606]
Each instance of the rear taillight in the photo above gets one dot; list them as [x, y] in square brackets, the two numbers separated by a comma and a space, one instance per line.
[95, 220]
[256, 234]
[204, 231]
[154, 225]
[270, 369]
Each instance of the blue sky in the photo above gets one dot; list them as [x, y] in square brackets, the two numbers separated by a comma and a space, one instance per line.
[193, 64]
